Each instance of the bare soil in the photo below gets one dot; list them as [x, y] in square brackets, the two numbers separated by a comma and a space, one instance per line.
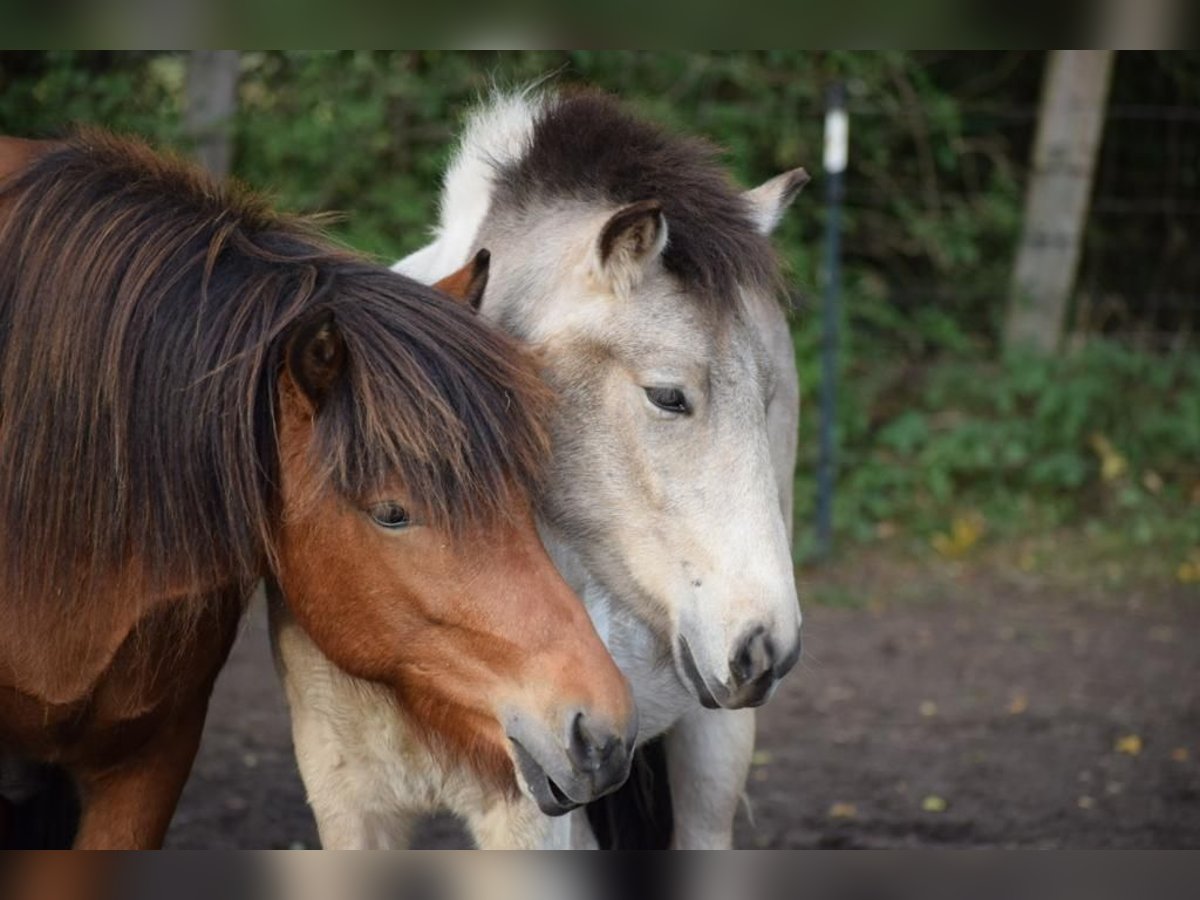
[964, 711]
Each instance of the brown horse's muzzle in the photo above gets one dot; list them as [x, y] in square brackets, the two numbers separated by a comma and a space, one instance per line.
[586, 759]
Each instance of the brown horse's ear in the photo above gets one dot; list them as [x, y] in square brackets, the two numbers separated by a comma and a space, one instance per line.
[468, 283]
[316, 357]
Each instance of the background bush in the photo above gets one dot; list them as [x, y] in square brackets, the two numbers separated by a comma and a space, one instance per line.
[933, 424]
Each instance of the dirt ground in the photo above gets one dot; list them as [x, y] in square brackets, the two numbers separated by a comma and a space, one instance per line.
[963, 711]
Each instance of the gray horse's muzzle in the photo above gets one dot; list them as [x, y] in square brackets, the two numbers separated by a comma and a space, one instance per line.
[755, 669]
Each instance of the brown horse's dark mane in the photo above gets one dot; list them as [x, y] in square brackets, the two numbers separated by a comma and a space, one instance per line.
[144, 315]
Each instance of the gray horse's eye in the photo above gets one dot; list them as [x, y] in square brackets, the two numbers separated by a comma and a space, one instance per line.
[668, 399]
[390, 515]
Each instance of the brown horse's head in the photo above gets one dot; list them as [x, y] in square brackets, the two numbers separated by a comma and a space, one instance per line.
[430, 576]
[233, 396]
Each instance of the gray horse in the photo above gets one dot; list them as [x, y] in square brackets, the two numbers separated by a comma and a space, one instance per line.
[650, 288]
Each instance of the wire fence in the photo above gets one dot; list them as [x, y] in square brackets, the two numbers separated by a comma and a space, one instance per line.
[932, 226]
[1140, 275]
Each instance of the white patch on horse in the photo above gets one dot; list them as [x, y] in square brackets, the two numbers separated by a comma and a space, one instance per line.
[495, 136]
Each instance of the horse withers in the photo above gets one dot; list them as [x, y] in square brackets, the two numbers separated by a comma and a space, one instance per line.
[648, 285]
[197, 394]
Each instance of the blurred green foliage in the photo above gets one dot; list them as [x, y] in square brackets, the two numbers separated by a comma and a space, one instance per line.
[1106, 436]
[930, 423]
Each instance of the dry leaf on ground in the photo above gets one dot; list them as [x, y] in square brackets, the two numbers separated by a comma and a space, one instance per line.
[934, 804]
[1128, 744]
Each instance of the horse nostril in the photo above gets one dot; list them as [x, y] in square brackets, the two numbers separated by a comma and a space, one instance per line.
[753, 659]
[592, 747]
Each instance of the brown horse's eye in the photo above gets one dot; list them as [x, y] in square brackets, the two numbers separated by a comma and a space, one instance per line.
[390, 515]
[668, 399]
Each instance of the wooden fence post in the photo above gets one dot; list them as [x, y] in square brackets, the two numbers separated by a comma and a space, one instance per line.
[1070, 123]
[211, 98]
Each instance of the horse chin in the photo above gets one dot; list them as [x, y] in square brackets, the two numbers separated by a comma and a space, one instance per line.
[539, 786]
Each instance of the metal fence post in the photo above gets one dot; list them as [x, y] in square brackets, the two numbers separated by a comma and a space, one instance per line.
[836, 133]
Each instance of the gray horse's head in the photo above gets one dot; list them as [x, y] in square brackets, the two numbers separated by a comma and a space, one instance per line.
[649, 287]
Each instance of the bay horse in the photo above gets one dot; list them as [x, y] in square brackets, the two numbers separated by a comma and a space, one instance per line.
[197, 394]
[647, 283]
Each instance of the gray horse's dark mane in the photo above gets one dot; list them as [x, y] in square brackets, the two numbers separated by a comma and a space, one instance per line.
[586, 146]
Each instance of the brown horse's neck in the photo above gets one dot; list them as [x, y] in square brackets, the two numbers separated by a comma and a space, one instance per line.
[61, 664]
[119, 674]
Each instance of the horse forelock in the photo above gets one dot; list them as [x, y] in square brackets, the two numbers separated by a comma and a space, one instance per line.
[144, 310]
[432, 398]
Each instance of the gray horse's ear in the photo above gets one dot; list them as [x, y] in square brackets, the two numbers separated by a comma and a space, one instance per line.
[316, 357]
[632, 236]
[770, 200]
